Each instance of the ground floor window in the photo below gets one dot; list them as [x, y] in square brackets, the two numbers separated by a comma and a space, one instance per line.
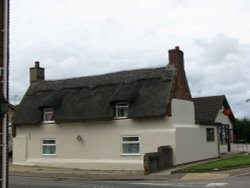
[210, 135]
[130, 145]
[48, 147]
[223, 131]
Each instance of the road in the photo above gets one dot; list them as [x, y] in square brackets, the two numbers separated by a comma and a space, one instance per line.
[239, 180]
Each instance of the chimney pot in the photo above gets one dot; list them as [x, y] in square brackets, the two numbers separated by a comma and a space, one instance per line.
[177, 47]
[37, 73]
[37, 64]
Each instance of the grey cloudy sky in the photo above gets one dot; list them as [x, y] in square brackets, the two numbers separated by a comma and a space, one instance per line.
[73, 38]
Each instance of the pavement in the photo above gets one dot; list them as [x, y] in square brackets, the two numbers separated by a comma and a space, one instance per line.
[63, 173]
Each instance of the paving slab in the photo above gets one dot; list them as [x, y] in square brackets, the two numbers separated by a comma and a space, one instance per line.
[204, 176]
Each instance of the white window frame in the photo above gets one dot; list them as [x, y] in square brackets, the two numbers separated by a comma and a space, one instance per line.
[124, 106]
[42, 146]
[46, 112]
[130, 142]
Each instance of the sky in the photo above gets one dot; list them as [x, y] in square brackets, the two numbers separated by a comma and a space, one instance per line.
[75, 38]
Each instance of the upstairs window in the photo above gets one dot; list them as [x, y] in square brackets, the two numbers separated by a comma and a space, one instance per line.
[121, 110]
[48, 115]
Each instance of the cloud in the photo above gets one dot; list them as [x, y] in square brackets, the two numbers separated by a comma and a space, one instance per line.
[219, 49]
[79, 38]
[222, 68]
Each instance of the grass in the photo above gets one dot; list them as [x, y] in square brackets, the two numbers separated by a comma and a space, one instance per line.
[235, 161]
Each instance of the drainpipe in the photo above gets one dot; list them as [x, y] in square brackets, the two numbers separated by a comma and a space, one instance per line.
[218, 139]
[5, 92]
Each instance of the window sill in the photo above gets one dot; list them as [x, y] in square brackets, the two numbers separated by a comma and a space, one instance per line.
[130, 154]
[48, 155]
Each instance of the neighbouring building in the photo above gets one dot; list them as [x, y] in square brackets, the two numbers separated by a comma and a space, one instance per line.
[124, 120]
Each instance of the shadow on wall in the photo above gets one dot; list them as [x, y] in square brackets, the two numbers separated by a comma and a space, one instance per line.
[156, 161]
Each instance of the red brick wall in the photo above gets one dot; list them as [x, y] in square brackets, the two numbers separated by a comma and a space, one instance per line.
[182, 90]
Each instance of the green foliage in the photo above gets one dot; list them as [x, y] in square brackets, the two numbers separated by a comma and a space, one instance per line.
[223, 164]
[242, 129]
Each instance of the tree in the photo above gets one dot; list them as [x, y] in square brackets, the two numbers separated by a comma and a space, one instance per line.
[242, 129]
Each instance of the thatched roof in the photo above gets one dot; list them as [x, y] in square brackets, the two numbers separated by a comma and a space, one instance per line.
[92, 98]
[207, 108]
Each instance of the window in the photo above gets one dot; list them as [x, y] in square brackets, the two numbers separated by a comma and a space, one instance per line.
[130, 145]
[223, 131]
[121, 110]
[48, 115]
[49, 147]
[210, 135]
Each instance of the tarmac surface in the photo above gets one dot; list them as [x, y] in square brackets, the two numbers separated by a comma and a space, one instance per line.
[62, 173]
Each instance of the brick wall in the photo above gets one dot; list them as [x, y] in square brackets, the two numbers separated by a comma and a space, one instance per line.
[182, 90]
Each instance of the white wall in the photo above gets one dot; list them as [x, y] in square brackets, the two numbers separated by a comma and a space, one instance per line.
[192, 144]
[182, 112]
[20, 148]
[223, 118]
[101, 145]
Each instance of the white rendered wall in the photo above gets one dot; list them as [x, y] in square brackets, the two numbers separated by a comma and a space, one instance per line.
[101, 145]
[20, 148]
[191, 143]
[182, 112]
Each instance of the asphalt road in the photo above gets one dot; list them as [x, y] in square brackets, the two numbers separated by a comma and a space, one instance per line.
[239, 180]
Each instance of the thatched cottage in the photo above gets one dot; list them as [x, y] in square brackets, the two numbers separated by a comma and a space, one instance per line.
[118, 121]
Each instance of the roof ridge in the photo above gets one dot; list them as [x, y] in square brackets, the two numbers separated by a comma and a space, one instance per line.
[211, 96]
[107, 74]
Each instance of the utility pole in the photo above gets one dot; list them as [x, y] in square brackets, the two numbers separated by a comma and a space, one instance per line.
[4, 71]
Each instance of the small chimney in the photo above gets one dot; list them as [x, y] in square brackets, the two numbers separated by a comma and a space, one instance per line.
[36, 73]
[176, 59]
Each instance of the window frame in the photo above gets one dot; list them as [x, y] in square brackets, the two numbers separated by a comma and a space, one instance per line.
[48, 111]
[43, 144]
[130, 142]
[210, 135]
[124, 106]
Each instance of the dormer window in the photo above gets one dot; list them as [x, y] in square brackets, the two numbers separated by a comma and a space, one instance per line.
[121, 110]
[48, 115]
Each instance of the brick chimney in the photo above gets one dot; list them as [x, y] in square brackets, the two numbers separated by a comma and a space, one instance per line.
[36, 73]
[181, 87]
